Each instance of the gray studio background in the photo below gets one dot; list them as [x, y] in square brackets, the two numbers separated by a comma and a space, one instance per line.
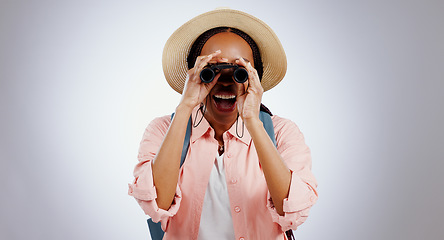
[80, 80]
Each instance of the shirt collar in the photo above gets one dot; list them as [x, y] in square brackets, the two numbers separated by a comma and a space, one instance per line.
[239, 124]
[205, 127]
[202, 128]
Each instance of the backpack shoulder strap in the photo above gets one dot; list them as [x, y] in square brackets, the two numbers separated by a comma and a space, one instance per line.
[156, 231]
[186, 141]
[268, 125]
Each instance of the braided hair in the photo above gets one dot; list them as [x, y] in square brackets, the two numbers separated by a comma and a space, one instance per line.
[198, 44]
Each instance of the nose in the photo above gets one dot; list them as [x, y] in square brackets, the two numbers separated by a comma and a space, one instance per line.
[225, 81]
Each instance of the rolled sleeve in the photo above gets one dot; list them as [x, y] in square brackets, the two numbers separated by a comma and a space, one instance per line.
[142, 188]
[302, 194]
[296, 207]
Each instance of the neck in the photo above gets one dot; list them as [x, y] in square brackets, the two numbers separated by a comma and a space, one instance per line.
[220, 126]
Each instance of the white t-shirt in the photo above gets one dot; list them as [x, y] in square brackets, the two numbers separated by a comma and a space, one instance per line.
[216, 221]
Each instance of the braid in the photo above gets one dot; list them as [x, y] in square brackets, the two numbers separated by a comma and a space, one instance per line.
[198, 44]
[263, 108]
[255, 49]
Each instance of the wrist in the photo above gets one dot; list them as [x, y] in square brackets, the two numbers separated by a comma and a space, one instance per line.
[253, 123]
[184, 109]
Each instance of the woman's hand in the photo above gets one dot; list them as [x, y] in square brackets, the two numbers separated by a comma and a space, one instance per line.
[195, 91]
[249, 95]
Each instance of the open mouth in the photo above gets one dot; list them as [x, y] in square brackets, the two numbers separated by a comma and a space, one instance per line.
[225, 102]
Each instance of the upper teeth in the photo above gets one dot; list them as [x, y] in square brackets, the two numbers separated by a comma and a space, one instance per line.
[225, 96]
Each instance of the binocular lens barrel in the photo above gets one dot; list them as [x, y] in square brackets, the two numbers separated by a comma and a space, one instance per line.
[207, 75]
[240, 75]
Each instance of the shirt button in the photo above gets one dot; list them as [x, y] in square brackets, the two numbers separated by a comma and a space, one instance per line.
[237, 209]
[241, 238]
[229, 155]
[233, 181]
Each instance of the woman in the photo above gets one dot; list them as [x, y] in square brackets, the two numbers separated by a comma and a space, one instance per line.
[234, 183]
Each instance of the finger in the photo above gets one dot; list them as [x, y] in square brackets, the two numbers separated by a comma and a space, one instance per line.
[241, 88]
[197, 65]
[201, 62]
[243, 63]
[205, 59]
[254, 79]
[215, 79]
[218, 60]
[246, 65]
[211, 84]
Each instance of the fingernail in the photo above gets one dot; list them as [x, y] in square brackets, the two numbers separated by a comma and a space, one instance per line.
[218, 51]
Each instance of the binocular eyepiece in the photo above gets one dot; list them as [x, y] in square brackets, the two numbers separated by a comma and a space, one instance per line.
[208, 73]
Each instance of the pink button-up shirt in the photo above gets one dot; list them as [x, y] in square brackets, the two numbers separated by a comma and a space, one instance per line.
[253, 212]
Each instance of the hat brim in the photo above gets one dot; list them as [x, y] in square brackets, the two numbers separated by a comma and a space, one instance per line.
[178, 45]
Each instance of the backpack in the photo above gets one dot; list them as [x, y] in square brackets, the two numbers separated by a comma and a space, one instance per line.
[156, 228]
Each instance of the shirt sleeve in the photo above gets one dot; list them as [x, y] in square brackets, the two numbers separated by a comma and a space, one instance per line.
[297, 156]
[142, 188]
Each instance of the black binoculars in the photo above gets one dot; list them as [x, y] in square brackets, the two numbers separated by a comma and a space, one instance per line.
[208, 73]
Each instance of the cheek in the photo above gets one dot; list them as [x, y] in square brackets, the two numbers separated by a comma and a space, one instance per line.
[208, 99]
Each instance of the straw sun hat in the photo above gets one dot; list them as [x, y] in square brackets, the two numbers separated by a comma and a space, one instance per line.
[178, 46]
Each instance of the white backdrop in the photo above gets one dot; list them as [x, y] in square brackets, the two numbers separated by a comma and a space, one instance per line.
[80, 80]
